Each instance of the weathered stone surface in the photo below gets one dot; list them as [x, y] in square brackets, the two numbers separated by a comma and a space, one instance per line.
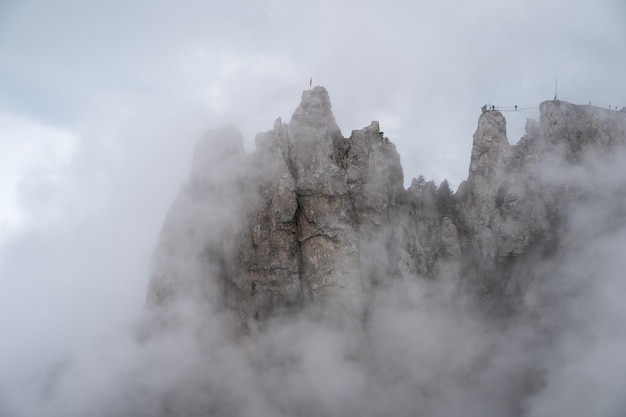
[312, 217]
[448, 255]
[384, 219]
[490, 150]
[581, 130]
[514, 205]
[315, 146]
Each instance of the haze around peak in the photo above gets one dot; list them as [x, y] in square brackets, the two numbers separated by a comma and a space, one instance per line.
[101, 105]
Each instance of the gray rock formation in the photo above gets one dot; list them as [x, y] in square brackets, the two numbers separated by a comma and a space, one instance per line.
[513, 206]
[312, 217]
[197, 235]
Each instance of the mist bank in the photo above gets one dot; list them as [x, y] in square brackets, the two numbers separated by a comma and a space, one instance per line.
[348, 294]
[304, 279]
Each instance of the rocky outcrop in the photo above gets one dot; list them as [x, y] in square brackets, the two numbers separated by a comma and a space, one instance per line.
[197, 235]
[514, 206]
[312, 217]
[302, 219]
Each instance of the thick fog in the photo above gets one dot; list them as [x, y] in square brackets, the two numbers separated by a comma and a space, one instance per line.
[100, 108]
[424, 348]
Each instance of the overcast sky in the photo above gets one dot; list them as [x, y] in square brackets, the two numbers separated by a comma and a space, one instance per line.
[101, 104]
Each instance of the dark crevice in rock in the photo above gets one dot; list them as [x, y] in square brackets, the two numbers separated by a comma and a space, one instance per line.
[328, 217]
[304, 285]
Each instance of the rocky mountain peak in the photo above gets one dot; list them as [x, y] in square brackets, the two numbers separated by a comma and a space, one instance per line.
[312, 218]
[579, 130]
[315, 145]
[305, 269]
[315, 110]
[489, 148]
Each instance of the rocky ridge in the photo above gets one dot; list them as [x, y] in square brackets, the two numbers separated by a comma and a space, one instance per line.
[312, 217]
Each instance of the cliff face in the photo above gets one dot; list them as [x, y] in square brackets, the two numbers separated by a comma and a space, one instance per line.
[312, 217]
[513, 208]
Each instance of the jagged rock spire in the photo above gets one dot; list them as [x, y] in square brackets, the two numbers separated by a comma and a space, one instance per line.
[312, 217]
[315, 145]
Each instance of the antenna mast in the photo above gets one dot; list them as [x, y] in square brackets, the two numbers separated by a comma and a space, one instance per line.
[556, 84]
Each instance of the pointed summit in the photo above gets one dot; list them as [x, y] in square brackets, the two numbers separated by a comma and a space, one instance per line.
[315, 142]
[315, 110]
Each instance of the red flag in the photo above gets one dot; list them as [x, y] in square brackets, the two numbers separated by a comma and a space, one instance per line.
[311, 82]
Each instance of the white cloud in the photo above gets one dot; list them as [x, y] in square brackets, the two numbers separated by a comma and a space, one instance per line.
[29, 148]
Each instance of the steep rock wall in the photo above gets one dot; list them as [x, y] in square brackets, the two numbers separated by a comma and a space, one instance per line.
[312, 217]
